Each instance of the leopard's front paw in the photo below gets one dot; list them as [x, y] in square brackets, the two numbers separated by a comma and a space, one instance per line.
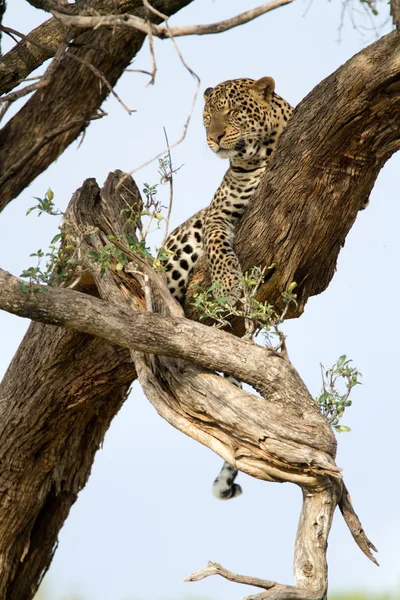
[230, 288]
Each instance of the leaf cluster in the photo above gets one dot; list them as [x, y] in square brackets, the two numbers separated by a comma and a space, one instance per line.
[332, 401]
[259, 316]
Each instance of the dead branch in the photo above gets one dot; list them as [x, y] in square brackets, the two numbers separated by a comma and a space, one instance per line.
[90, 22]
[279, 591]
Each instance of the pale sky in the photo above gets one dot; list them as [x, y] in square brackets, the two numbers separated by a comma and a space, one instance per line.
[146, 518]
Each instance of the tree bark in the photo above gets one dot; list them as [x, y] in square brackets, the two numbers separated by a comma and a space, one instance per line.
[52, 119]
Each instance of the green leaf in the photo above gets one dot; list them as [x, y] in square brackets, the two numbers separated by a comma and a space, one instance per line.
[341, 360]
[342, 428]
[323, 397]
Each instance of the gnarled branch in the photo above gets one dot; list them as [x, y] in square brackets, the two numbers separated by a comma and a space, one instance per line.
[281, 436]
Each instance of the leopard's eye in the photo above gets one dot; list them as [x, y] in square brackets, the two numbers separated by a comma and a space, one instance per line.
[206, 120]
[232, 112]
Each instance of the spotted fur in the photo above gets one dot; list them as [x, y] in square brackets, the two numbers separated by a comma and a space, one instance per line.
[243, 119]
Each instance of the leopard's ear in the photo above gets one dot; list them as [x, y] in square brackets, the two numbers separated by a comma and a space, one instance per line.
[264, 87]
[207, 92]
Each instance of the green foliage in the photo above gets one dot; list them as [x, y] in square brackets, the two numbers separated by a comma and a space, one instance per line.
[51, 273]
[259, 316]
[46, 205]
[337, 383]
[113, 254]
[153, 208]
[371, 5]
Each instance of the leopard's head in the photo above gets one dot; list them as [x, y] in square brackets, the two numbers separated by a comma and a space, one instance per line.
[243, 118]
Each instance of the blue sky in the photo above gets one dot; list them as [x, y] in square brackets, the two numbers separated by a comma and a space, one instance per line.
[147, 518]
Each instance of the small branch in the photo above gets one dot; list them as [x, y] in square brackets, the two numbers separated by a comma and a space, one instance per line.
[216, 569]
[186, 125]
[134, 22]
[277, 590]
[184, 132]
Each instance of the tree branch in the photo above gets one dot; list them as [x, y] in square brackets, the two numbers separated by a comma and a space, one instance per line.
[278, 591]
[89, 22]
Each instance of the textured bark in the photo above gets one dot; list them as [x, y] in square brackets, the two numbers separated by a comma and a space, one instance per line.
[57, 400]
[395, 12]
[281, 436]
[322, 172]
[27, 56]
[52, 119]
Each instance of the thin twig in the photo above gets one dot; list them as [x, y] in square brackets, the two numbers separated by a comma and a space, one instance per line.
[171, 191]
[138, 71]
[151, 47]
[102, 78]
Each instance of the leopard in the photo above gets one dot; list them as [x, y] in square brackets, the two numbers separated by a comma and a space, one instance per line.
[243, 120]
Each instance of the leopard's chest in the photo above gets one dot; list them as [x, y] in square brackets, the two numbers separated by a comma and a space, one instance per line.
[233, 196]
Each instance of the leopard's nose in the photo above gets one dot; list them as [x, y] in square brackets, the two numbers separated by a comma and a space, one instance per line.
[216, 137]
